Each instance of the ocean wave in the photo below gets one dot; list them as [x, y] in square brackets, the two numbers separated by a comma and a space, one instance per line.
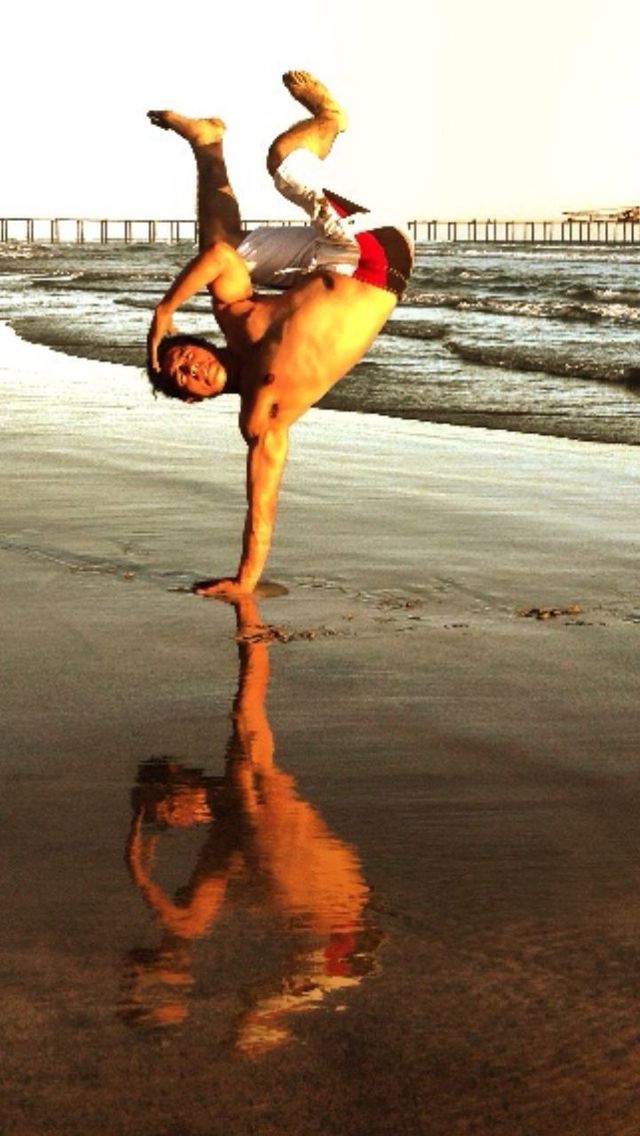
[567, 311]
[446, 276]
[98, 282]
[146, 302]
[516, 251]
[628, 297]
[53, 278]
[22, 251]
[415, 329]
[518, 358]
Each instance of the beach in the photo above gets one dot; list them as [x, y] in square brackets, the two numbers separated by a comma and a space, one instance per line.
[450, 684]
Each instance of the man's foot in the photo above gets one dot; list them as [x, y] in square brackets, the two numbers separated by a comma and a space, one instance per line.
[315, 97]
[197, 131]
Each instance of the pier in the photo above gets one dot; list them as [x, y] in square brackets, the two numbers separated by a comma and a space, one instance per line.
[106, 230]
[569, 231]
[110, 230]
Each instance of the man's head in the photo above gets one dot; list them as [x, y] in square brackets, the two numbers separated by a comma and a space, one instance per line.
[171, 795]
[191, 369]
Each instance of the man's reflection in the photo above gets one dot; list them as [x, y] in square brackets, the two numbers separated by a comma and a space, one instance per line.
[260, 833]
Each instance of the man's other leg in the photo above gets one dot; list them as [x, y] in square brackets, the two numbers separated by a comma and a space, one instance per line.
[316, 134]
[294, 157]
[218, 210]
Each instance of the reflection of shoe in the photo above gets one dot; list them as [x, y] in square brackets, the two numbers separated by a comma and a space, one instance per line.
[305, 998]
[338, 982]
[263, 1029]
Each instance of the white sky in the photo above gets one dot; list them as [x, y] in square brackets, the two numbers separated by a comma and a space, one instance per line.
[468, 108]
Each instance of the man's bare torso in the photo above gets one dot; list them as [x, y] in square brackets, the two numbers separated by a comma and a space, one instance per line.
[293, 347]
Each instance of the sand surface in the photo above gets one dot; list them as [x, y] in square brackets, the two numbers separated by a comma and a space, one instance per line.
[473, 769]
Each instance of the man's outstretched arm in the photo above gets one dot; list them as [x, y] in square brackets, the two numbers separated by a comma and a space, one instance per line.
[265, 464]
[218, 268]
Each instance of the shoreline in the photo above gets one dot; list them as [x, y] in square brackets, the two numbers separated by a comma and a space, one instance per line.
[590, 429]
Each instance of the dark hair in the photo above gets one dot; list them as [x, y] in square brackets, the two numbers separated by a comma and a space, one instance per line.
[162, 383]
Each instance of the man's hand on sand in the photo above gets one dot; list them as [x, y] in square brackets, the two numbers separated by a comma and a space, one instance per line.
[225, 588]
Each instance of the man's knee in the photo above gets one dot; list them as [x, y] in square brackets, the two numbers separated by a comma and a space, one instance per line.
[219, 247]
[275, 156]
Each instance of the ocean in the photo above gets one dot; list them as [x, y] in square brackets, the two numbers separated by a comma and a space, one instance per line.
[530, 338]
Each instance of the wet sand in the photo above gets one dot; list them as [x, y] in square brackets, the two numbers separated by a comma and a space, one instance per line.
[469, 770]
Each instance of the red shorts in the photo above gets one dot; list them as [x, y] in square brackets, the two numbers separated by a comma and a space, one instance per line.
[386, 252]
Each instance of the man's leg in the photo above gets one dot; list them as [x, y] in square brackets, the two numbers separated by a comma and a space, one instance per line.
[316, 134]
[294, 158]
[218, 211]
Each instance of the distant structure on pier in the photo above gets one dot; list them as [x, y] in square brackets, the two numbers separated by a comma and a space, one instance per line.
[617, 213]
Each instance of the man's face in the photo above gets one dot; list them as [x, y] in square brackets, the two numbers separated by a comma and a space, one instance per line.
[195, 370]
[183, 806]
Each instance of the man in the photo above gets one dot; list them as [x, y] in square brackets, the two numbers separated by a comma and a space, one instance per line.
[343, 275]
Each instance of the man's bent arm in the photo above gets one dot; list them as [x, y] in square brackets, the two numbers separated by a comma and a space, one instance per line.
[218, 268]
[265, 464]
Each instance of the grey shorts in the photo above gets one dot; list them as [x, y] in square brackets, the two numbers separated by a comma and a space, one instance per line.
[338, 238]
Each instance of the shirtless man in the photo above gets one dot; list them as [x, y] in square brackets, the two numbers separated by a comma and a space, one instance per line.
[344, 275]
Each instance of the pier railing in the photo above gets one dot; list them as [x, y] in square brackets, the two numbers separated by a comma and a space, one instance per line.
[107, 230]
[565, 231]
